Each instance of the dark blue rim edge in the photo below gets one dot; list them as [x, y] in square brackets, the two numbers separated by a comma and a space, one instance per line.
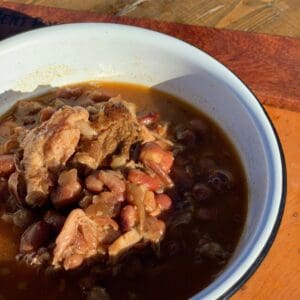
[232, 290]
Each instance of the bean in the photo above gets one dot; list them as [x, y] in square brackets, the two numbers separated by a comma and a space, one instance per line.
[23, 217]
[93, 183]
[149, 119]
[35, 236]
[55, 220]
[151, 182]
[220, 180]
[164, 201]
[7, 164]
[128, 217]
[201, 192]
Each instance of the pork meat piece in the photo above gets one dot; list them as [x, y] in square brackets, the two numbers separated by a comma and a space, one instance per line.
[82, 237]
[48, 147]
[117, 128]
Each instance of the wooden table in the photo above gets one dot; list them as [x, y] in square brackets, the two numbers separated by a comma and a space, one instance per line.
[268, 16]
[278, 277]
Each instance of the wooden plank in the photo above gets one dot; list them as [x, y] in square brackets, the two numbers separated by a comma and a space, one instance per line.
[267, 16]
[269, 65]
[279, 275]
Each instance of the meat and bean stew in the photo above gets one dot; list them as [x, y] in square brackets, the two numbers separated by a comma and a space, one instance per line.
[115, 191]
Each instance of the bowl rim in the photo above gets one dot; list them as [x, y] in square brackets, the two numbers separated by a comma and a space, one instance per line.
[13, 40]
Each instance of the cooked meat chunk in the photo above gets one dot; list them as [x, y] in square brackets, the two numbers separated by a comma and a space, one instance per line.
[69, 189]
[81, 238]
[48, 147]
[117, 130]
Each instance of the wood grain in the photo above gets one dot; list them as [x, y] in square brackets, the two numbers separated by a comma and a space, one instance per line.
[265, 16]
[279, 275]
[269, 65]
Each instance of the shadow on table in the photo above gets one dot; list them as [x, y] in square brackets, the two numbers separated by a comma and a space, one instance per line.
[13, 22]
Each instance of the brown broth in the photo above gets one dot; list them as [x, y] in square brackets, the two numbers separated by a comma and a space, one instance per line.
[170, 271]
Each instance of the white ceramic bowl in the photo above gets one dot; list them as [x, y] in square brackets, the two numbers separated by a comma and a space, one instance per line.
[72, 53]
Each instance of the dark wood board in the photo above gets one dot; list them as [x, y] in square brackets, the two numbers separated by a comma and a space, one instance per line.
[269, 65]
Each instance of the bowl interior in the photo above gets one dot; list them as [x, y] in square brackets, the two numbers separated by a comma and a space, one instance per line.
[36, 61]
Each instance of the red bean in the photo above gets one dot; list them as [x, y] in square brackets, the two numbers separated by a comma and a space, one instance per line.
[164, 201]
[7, 164]
[35, 236]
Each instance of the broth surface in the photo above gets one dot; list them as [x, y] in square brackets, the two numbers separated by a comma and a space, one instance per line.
[200, 239]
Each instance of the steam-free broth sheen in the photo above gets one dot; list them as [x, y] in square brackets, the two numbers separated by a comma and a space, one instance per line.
[203, 226]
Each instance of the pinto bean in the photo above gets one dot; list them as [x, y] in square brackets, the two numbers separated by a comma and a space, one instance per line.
[7, 164]
[149, 202]
[35, 236]
[128, 217]
[93, 183]
[55, 220]
[164, 201]
[113, 181]
[151, 182]
[69, 189]
[149, 119]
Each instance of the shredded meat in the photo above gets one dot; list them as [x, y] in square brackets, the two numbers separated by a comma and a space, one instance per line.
[81, 238]
[117, 130]
[47, 148]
